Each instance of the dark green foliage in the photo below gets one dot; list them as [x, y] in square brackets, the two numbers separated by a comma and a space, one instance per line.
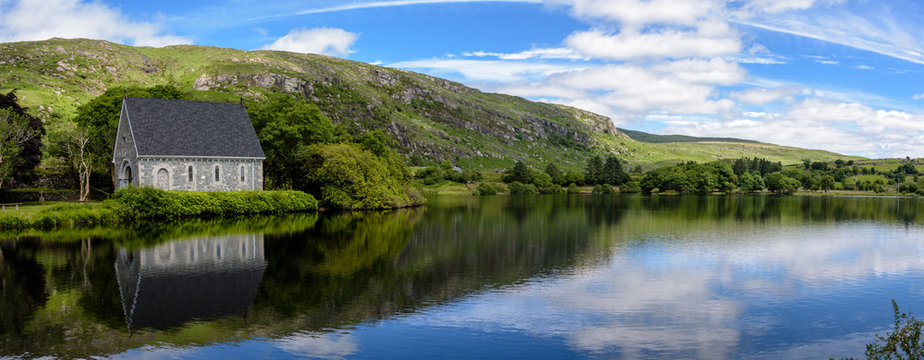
[31, 153]
[283, 123]
[691, 178]
[553, 171]
[573, 177]
[613, 172]
[907, 168]
[603, 189]
[150, 203]
[518, 188]
[908, 187]
[820, 165]
[593, 172]
[760, 166]
[519, 173]
[346, 176]
[489, 189]
[827, 182]
[751, 182]
[574, 189]
[545, 185]
[12, 223]
[631, 187]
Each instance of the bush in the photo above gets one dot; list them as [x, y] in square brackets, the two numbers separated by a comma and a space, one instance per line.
[603, 189]
[12, 223]
[489, 189]
[346, 176]
[518, 188]
[632, 187]
[574, 189]
[72, 215]
[150, 203]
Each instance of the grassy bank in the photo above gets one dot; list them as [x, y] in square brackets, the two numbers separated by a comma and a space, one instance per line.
[153, 204]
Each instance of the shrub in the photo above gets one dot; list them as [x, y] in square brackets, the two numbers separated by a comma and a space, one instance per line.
[150, 203]
[8, 222]
[489, 189]
[632, 187]
[574, 189]
[518, 188]
[603, 189]
[346, 176]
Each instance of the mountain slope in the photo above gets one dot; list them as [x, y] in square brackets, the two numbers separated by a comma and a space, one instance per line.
[433, 118]
[658, 139]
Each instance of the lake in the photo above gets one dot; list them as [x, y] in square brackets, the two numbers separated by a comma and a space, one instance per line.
[633, 277]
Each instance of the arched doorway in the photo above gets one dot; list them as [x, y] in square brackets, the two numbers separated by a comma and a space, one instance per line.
[162, 179]
[125, 177]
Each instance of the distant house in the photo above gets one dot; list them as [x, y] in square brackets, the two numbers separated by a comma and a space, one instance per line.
[186, 145]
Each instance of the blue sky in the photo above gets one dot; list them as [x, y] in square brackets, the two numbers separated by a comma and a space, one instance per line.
[840, 75]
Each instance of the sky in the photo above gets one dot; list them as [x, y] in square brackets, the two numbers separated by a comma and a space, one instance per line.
[839, 75]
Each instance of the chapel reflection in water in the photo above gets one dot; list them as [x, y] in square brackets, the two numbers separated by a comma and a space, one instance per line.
[199, 278]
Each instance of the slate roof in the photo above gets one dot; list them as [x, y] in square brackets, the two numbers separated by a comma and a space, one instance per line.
[191, 128]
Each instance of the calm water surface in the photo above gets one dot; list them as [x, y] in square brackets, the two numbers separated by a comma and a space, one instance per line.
[495, 277]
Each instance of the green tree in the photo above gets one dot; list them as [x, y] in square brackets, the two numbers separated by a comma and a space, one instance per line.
[100, 116]
[752, 182]
[346, 176]
[70, 143]
[14, 134]
[553, 171]
[283, 124]
[789, 185]
[518, 188]
[573, 189]
[519, 172]
[613, 172]
[827, 183]
[774, 181]
[30, 150]
[593, 173]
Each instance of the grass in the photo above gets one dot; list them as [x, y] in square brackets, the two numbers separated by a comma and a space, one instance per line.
[28, 210]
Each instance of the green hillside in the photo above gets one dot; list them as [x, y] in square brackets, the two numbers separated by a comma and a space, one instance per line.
[655, 138]
[431, 118]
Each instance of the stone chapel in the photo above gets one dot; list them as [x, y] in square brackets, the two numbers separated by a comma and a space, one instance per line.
[186, 145]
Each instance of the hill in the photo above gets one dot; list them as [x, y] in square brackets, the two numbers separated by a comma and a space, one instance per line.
[431, 118]
[659, 139]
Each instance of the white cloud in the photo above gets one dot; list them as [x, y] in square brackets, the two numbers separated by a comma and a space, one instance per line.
[318, 345]
[761, 96]
[635, 13]
[556, 53]
[327, 41]
[27, 20]
[664, 43]
[918, 97]
[487, 70]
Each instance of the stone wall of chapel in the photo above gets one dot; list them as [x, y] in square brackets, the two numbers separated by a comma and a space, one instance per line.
[124, 152]
[232, 174]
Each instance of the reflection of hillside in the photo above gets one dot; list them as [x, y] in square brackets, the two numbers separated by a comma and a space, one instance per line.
[180, 281]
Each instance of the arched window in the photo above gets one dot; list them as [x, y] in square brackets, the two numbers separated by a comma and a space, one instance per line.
[189, 175]
[217, 177]
[242, 173]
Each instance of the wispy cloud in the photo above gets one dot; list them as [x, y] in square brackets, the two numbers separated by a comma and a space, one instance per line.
[393, 3]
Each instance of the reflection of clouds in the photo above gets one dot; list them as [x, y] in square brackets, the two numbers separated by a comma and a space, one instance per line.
[156, 352]
[318, 345]
[689, 295]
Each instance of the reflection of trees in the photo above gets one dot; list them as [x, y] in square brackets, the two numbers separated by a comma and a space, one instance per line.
[22, 290]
